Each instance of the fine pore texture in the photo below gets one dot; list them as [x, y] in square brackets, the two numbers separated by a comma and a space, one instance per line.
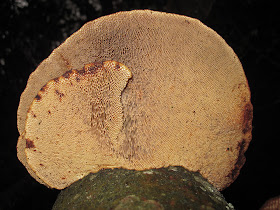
[73, 122]
[188, 102]
[21, 145]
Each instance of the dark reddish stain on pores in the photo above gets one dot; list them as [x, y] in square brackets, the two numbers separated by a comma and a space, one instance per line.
[59, 94]
[56, 80]
[117, 66]
[242, 145]
[38, 97]
[43, 88]
[67, 74]
[247, 118]
[82, 72]
[93, 67]
[32, 113]
[97, 65]
[29, 144]
[240, 160]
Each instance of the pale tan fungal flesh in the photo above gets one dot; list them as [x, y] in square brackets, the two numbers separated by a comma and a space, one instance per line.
[21, 145]
[188, 102]
[73, 122]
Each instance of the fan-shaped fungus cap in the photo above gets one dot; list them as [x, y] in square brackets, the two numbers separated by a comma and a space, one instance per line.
[188, 102]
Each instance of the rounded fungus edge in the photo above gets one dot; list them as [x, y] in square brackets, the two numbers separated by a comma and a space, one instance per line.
[188, 103]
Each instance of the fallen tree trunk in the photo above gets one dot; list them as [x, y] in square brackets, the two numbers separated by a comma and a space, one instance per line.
[164, 188]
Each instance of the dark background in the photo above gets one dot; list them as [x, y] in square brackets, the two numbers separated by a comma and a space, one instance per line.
[31, 29]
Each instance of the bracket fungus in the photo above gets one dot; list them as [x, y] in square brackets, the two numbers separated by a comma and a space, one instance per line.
[150, 90]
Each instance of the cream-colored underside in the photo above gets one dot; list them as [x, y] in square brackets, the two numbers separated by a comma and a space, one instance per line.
[183, 106]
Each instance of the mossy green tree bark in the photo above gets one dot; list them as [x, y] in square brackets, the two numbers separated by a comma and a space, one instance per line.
[164, 188]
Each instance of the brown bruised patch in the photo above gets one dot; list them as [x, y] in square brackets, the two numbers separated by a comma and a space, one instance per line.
[32, 113]
[29, 144]
[117, 66]
[247, 118]
[66, 61]
[240, 160]
[81, 72]
[59, 94]
[67, 74]
[93, 67]
[43, 88]
[38, 97]
[56, 80]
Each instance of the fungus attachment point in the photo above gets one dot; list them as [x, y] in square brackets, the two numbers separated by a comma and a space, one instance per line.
[78, 118]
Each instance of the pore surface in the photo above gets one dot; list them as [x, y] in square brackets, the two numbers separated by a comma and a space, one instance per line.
[73, 122]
